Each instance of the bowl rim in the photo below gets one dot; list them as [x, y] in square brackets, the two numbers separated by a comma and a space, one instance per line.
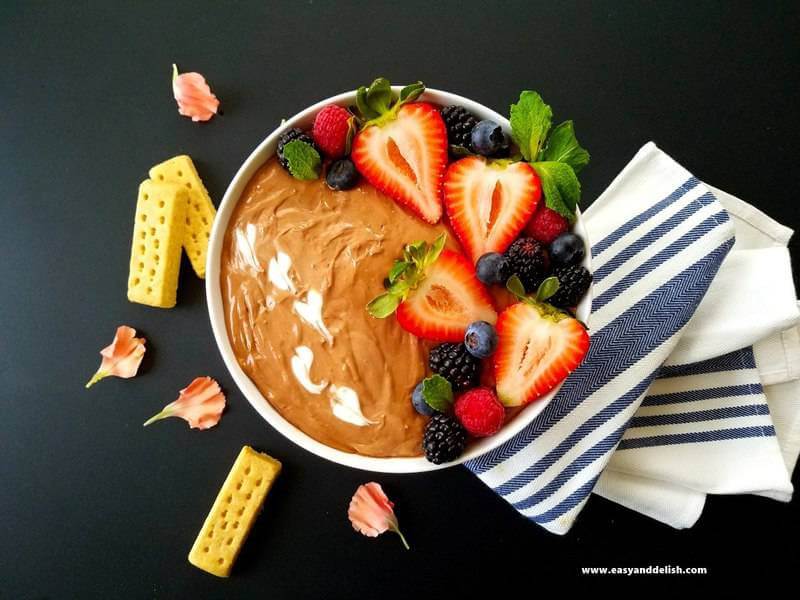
[254, 161]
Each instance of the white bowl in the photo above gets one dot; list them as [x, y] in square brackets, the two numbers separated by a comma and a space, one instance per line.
[257, 158]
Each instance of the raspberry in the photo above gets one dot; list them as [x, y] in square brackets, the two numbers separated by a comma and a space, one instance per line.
[480, 412]
[546, 224]
[331, 130]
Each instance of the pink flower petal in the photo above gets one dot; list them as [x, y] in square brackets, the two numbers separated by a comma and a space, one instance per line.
[372, 513]
[200, 404]
[193, 95]
[122, 357]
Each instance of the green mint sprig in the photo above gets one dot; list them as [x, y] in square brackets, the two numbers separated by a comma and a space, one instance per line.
[405, 275]
[378, 104]
[555, 155]
[437, 393]
[304, 160]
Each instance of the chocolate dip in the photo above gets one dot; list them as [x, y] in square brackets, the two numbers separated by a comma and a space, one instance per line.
[291, 246]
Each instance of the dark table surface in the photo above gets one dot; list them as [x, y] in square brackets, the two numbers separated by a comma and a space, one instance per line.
[93, 505]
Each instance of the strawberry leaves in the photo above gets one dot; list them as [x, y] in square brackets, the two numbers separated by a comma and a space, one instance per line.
[378, 104]
[405, 275]
[555, 155]
[546, 290]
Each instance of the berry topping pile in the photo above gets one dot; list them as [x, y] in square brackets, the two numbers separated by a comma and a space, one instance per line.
[509, 195]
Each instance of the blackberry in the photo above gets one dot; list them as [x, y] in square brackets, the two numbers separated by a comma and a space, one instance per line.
[459, 122]
[527, 259]
[454, 363]
[292, 134]
[444, 439]
[573, 283]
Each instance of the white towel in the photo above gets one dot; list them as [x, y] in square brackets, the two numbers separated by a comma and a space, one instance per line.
[719, 420]
[659, 237]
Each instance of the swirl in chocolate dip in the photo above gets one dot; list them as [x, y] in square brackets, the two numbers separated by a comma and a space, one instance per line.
[299, 264]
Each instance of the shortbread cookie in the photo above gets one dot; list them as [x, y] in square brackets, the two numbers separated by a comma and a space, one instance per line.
[234, 511]
[156, 248]
[200, 211]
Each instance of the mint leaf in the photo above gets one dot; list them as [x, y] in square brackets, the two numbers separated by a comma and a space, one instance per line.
[563, 146]
[304, 161]
[560, 186]
[437, 393]
[530, 122]
[398, 268]
[384, 305]
[547, 288]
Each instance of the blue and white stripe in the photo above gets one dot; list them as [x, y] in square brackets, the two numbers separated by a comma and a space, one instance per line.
[712, 415]
[659, 246]
[689, 404]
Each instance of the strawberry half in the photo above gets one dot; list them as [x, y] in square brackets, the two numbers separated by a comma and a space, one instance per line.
[435, 293]
[402, 148]
[489, 202]
[447, 301]
[406, 158]
[538, 346]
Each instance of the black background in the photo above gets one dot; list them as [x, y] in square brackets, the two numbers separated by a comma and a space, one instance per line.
[93, 505]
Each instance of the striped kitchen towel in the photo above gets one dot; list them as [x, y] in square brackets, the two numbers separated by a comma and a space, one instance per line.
[710, 427]
[707, 426]
[659, 238]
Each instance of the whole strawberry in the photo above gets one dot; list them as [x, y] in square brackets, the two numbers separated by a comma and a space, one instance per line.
[480, 412]
[546, 224]
[333, 130]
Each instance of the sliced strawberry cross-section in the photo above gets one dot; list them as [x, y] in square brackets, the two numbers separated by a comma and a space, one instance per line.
[489, 202]
[537, 348]
[448, 299]
[435, 293]
[405, 158]
[401, 148]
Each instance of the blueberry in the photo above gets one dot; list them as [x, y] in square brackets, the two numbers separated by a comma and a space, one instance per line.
[566, 250]
[342, 175]
[419, 403]
[488, 138]
[480, 339]
[491, 268]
